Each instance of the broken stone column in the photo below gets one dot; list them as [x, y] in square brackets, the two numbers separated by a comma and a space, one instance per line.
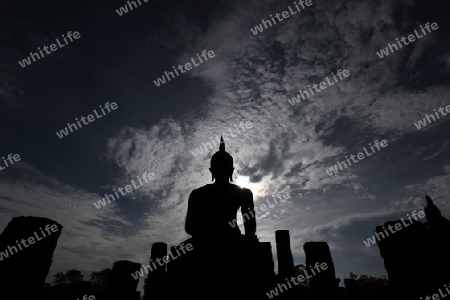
[123, 285]
[324, 283]
[154, 286]
[26, 252]
[407, 258]
[284, 254]
[438, 230]
[266, 260]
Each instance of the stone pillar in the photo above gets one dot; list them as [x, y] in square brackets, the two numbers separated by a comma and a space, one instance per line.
[265, 276]
[25, 264]
[284, 254]
[438, 231]
[323, 284]
[407, 259]
[154, 287]
[159, 251]
[267, 259]
[123, 285]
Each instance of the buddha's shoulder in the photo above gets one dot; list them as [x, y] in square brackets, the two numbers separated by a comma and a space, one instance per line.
[242, 190]
[202, 189]
[208, 188]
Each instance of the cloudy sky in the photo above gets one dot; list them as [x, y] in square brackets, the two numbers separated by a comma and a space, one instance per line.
[250, 79]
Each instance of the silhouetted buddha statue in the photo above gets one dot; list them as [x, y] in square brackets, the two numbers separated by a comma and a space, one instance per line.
[224, 261]
[212, 209]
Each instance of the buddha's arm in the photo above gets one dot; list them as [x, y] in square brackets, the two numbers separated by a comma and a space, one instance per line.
[189, 226]
[248, 209]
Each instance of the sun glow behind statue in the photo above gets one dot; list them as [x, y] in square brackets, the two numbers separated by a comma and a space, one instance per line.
[259, 189]
[244, 181]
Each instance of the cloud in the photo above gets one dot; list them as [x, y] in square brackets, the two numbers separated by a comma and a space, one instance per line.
[252, 77]
[88, 237]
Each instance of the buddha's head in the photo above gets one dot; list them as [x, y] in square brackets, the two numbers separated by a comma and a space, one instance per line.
[222, 164]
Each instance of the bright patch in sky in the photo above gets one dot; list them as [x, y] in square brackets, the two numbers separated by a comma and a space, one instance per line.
[244, 181]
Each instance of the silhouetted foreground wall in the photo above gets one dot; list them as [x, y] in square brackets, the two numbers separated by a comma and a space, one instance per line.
[243, 272]
[25, 264]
